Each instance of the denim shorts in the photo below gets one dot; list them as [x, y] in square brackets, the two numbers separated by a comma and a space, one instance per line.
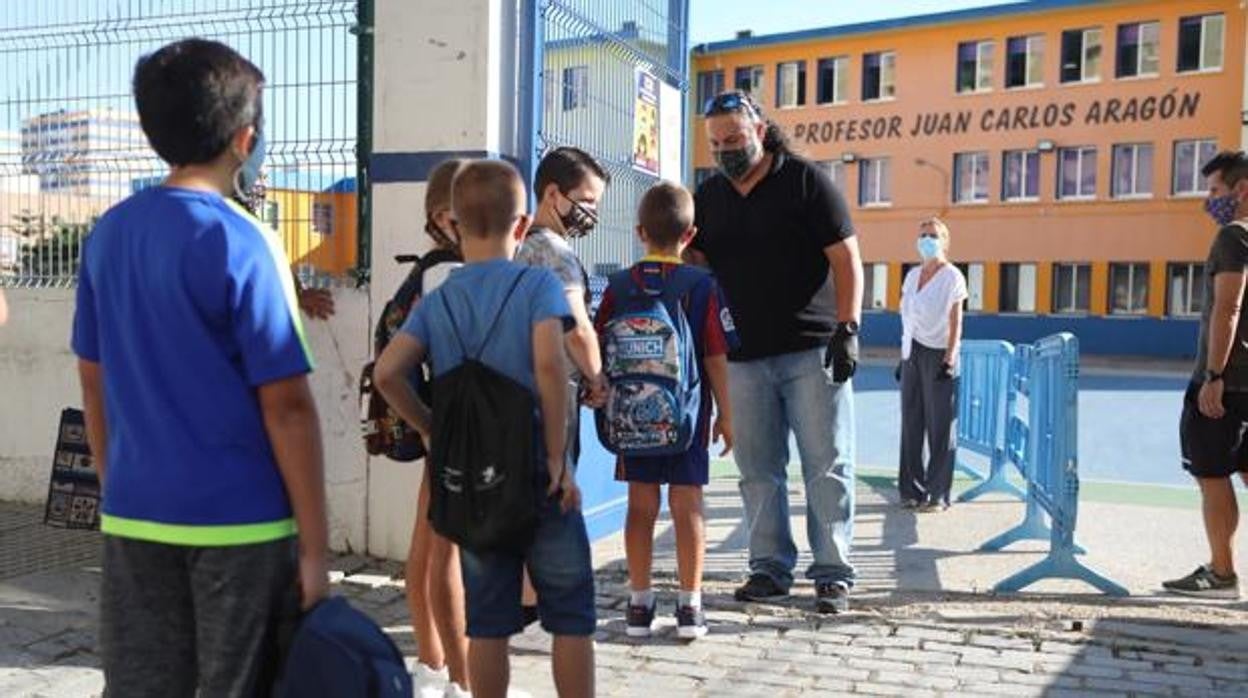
[559, 564]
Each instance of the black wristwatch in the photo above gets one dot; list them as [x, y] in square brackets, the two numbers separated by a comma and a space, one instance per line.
[849, 328]
[1211, 376]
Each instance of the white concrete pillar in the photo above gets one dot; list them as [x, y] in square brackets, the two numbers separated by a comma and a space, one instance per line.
[446, 84]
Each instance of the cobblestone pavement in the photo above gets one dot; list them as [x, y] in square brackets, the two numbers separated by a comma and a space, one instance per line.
[927, 642]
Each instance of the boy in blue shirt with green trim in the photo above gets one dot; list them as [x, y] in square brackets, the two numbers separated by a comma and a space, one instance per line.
[194, 372]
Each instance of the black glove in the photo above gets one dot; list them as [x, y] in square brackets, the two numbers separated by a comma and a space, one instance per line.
[842, 352]
[897, 372]
[946, 372]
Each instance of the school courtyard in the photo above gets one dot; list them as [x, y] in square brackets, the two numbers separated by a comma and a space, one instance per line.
[923, 622]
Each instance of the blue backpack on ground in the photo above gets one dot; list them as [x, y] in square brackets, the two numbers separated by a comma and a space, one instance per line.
[650, 363]
[338, 652]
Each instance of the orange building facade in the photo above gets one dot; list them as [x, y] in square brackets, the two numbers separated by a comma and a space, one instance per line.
[1060, 140]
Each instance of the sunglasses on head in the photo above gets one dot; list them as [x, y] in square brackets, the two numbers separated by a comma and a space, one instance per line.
[730, 103]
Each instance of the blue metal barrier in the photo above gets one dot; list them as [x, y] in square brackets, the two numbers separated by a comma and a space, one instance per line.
[1042, 441]
[984, 399]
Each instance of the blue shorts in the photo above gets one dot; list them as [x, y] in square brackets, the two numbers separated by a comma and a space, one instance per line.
[690, 468]
[559, 564]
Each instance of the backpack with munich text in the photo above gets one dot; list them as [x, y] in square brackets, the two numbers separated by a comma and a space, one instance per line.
[651, 363]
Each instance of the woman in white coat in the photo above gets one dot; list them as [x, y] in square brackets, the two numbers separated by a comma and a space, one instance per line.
[931, 320]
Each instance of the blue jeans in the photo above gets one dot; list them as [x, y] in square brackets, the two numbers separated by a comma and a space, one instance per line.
[772, 397]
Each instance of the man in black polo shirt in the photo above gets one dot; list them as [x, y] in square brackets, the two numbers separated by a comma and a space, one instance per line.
[777, 234]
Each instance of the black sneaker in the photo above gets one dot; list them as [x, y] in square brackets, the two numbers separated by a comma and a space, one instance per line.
[640, 620]
[690, 622]
[909, 504]
[1206, 584]
[760, 587]
[831, 597]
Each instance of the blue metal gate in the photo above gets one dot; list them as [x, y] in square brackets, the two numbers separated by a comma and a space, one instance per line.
[589, 56]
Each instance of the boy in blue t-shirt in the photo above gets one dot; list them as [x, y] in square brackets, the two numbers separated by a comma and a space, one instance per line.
[526, 345]
[194, 378]
[666, 227]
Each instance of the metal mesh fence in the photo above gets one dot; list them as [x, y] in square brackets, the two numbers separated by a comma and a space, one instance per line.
[593, 52]
[71, 145]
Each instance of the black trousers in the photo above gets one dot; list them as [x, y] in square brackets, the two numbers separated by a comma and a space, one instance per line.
[929, 408]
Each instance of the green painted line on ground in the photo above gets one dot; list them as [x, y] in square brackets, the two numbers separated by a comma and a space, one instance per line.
[1147, 495]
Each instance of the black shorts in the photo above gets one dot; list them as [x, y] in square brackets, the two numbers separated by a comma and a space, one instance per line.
[1214, 448]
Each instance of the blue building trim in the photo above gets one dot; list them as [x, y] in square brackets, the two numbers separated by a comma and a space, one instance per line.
[1161, 338]
[951, 17]
[416, 166]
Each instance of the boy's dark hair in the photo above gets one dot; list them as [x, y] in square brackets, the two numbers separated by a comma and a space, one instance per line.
[438, 198]
[1231, 164]
[566, 168]
[486, 197]
[665, 213]
[193, 96]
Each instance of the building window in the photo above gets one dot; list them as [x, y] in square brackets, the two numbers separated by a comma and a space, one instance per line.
[1020, 180]
[879, 74]
[750, 79]
[1139, 49]
[834, 80]
[710, 84]
[701, 174]
[1128, 288]
[1189, 158]
[1077, 176]
[271, 214]
[791, 84]
[1081, 55]
[1200, 43]
[836, 171]
[970, 177]
[874, 186]
[575, 87]
[1072, 288]
[975, 65]
[1186, 289]
[1133, 170]
[973, 272]
[1025, 64]
[875, 286]
[323, 217]
[1018, 288]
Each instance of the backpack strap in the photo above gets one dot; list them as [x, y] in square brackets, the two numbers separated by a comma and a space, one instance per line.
[485, 340]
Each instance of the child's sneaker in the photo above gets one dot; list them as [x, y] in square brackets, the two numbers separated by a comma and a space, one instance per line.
[1205, 583]
[690, 622]
[429, 683]
[640, 620]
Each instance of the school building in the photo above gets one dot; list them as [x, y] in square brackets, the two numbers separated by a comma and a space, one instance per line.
[1061, 140]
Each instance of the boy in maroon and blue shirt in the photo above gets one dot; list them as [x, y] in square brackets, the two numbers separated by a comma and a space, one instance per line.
[665, 229]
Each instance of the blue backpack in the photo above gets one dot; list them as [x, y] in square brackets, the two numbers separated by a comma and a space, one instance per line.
[650, 363]
[338, 652]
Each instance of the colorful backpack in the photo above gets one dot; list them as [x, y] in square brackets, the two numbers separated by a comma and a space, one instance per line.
[650, 363]
[385, 432]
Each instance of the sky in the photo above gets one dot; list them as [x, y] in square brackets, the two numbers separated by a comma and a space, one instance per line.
[717, 20]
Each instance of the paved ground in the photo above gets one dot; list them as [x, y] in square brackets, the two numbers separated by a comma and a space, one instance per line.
[922, 624]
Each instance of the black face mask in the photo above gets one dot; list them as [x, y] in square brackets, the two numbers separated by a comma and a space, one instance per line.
[579, 220]
[736, 163]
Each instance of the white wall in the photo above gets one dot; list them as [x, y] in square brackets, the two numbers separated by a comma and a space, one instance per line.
[38, 378]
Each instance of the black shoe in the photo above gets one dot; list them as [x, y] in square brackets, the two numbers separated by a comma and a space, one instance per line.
[640, 620]
[909, 504]
[831, 597]
[760, 587]
[530, 615]
[690, 622]
[1206, 584]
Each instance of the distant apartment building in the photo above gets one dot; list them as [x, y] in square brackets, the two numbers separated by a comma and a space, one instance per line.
[93, 152]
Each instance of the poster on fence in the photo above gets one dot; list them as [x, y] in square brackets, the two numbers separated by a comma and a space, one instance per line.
[646, 124]
[74, 491]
